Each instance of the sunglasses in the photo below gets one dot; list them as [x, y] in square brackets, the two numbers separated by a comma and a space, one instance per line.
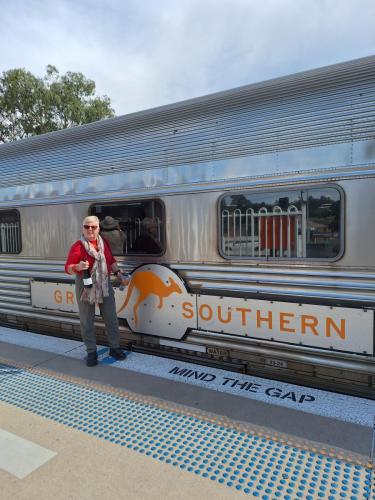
[86, 226]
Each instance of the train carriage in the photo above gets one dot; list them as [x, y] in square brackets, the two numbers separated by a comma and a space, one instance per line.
[248, 226]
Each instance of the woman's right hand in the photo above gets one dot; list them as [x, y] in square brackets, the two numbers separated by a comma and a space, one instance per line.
[81, 266]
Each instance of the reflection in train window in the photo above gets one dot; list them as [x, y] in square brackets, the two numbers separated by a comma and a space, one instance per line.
[133, 227]
[303, 224]
[10, 231]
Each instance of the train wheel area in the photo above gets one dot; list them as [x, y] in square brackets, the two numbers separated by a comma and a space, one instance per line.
[150, 427]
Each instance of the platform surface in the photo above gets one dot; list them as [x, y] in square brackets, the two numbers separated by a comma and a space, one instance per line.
[152, 427]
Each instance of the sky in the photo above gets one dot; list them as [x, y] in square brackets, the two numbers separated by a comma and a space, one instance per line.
[147, 53]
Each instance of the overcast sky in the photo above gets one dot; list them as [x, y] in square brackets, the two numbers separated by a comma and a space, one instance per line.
[145, 53]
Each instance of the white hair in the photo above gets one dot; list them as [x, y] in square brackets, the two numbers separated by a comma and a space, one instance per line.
[90, 218]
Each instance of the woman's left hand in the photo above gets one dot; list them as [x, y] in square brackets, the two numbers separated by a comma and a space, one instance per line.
[124, 281]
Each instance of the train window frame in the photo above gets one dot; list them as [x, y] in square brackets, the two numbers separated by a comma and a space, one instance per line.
[19, 240]
[304, 187]
[132, 201]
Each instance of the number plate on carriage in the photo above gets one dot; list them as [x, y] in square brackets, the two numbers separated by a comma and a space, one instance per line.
[217, 351]
[276, 363]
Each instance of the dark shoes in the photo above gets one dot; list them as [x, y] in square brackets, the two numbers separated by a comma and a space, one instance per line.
[117, 354]
[92, 359]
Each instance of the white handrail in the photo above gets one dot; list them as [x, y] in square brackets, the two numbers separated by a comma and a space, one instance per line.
[264, 233]
[10, 241]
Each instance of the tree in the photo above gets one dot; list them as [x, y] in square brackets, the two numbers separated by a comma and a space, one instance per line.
[31, 106]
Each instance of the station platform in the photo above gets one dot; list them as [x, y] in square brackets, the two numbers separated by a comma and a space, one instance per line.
[151, 427]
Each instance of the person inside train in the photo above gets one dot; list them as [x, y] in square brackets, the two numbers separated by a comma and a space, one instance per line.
[148, 242]
[110, 230]
[91, 260]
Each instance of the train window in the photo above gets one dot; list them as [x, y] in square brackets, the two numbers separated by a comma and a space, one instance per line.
[303, 224]
[132, 227]
[10, 231]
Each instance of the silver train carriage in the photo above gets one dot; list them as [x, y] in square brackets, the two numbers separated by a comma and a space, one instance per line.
[247, 220]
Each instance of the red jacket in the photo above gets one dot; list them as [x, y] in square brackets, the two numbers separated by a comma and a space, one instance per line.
[78, 253]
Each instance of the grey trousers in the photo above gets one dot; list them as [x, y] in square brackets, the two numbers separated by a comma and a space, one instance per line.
[87, 318]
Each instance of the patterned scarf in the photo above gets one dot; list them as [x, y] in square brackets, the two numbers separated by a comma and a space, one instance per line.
[99, 274]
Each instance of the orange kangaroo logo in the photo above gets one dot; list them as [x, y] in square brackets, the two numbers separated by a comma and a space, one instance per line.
[148, 283]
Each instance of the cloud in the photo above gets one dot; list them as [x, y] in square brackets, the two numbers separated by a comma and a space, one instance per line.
[145, 54]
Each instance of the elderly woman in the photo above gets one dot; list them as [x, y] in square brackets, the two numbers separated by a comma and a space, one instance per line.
[93, 253]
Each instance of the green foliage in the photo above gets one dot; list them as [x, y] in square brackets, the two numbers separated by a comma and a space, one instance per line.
[31, 106]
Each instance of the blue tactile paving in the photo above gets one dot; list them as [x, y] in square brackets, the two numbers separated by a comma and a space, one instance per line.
[256, 465]
[6, 369]
[319, 402]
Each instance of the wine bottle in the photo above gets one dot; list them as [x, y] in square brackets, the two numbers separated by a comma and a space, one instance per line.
[87, 280]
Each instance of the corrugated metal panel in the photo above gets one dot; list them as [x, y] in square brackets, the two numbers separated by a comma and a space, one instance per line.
[294, 283]
[326, 106]
[15, 275]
